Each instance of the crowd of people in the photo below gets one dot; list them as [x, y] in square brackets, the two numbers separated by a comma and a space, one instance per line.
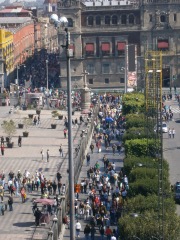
[101, 195]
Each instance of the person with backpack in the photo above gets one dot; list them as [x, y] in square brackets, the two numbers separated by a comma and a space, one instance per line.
[92, 147]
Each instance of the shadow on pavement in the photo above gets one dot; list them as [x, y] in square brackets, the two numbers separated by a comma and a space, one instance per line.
[24, 224]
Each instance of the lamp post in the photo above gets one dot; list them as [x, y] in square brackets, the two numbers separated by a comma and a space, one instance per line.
[63, 22]
[47, 86]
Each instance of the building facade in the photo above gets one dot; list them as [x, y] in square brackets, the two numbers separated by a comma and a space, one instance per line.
[101, 30]
[6, 57]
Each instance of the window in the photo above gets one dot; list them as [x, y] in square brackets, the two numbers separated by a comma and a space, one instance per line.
[163, 45]
[123, 19]
[131, 19]
[121, 48]
[150, 17]
[106, 68]
[175, 17]
[106, 80]
[114, 20]
[163, 18]
[107, 20]
[70, 22]
[89, 49]
[105, 48]
[90, 68]
[90, 21]
[98, 20]
[121, 80]
[53, 8]
[90, 81]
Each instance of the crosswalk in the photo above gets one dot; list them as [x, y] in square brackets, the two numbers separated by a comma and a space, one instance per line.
[175, 109]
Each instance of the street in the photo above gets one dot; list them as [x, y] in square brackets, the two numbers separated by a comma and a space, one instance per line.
[172, 146]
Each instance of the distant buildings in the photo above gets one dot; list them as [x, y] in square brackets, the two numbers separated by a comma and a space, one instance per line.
[100, 30]
[23, 34]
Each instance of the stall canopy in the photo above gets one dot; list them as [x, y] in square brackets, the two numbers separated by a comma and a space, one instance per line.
[44, 201]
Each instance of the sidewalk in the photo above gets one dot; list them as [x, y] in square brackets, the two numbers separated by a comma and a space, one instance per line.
[19, 224]
[117, 159]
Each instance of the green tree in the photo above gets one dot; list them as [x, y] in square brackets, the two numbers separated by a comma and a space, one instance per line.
[9, 128]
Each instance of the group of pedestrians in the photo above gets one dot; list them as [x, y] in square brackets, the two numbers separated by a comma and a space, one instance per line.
[21, 184]
[171, 132]
[99, 201]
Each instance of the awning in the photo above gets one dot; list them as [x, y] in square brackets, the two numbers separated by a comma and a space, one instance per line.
[105, 47]
[163, 45]
[90, 47]
[121, 46]
[44, 201]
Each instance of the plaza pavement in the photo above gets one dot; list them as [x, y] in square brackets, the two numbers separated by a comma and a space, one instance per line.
[19, 224]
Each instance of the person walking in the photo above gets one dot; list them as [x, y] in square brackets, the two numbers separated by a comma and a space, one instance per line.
[19, 141]
[2, 140]
[48, 155]
[113, 237]
[108, 233]
[114, 148]
[10, 203]
[169, 132]
[61, 151]
[37, 215]
[102, 232]
[87, 231]
[1, 193]
[23, 194]
[42, 154]
[2, 149]
[78, 229]
[93, 231]
[88, 158]
[65, 132]
[173, 133]
[92, 147]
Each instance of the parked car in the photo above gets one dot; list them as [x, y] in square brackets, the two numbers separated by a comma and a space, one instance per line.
[164, 127]
[177, 192]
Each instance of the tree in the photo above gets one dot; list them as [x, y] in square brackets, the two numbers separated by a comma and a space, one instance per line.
[9, 128]
[27, 122]
[146, 225]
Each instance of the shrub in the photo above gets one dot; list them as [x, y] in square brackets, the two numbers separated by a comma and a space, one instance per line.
[140, 204]
[146, 186]
[140, 147]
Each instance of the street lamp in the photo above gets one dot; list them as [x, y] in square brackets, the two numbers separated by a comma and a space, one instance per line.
[47, 75]
[63, 23]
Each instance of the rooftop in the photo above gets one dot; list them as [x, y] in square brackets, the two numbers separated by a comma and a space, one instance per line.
[14, 20]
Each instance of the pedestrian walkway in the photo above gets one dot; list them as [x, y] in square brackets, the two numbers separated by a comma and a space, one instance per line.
[19, 223]
[94, 157]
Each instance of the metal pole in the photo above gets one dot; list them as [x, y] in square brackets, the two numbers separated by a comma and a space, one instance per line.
[17, 75]
[47, 74]
[126, 69]
[70, 143]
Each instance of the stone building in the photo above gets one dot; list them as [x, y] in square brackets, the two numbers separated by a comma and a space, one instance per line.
[100, 30]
